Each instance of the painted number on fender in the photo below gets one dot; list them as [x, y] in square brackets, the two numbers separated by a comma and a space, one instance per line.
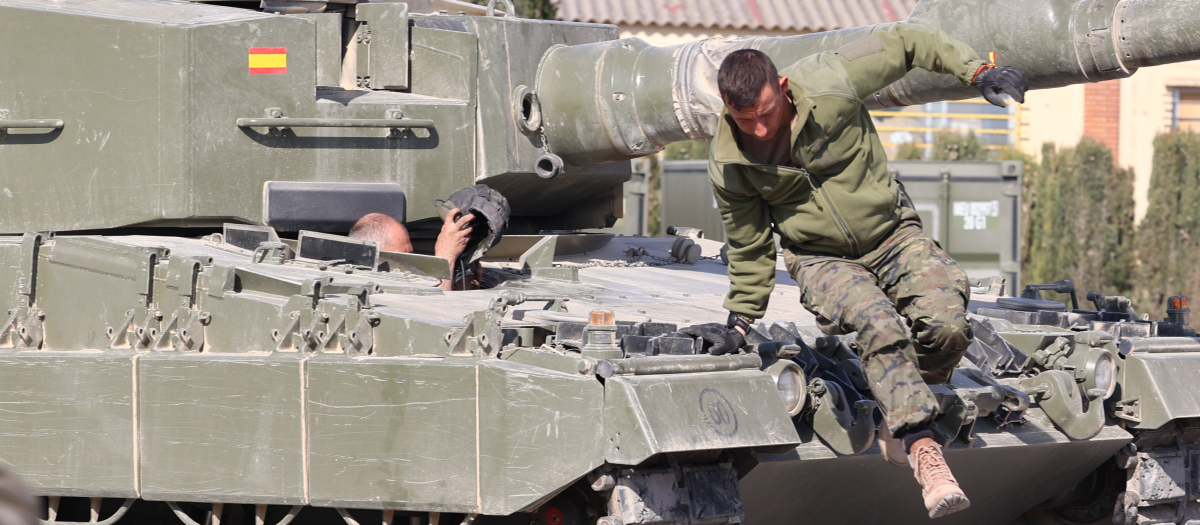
[718, 412]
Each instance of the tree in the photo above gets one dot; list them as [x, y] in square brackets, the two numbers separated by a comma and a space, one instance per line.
[654, 222]
[1030, 175]
[1169, 248]
[910, 151]
[1080, 223]
[948, 145]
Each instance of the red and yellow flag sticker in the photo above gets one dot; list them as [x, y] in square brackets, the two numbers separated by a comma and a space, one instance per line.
[268, 61]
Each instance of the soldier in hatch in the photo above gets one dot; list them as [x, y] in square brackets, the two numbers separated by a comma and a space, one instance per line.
[473, 220]
[392, 236]
[797, 154]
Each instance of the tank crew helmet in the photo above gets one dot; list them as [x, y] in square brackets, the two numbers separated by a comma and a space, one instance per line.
[491, 217]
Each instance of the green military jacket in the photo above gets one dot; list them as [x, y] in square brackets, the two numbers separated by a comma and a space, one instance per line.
[839, 199]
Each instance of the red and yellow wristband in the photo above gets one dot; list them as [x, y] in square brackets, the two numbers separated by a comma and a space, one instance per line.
[990, 65]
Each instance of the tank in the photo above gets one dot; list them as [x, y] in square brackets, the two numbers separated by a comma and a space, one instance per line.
[189, 335]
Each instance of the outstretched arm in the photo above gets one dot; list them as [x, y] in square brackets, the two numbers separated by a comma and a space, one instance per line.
[888, 54]
[751, 245]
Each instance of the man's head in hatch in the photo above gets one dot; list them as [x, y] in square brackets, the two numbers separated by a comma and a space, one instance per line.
[755, 94]
[388, 232]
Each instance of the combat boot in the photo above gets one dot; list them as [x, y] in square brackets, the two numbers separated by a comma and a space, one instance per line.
[891, 447]
[938, 487]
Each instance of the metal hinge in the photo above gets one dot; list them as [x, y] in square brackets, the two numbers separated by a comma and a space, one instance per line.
[1128, 409]
[24, 328]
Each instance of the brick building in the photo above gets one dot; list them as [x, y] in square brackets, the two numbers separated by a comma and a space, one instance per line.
[1123, 114]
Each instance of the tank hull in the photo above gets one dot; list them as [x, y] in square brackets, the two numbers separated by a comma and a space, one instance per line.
[260, 417]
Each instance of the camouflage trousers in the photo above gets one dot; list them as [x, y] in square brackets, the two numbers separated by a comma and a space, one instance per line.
[907, 301]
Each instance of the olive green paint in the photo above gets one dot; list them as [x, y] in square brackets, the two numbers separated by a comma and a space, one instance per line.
[149, 104]
[221, 428]
[1157, 382]
[703, 412]
[375, 442]
[54, 397]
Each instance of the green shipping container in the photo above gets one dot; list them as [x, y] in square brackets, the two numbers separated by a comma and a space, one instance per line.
[973, 209]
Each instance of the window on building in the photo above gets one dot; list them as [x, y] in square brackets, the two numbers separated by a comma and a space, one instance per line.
[1186, 115]
[919, 126]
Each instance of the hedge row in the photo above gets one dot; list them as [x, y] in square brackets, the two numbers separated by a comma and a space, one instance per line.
[1168, 244]
[1079, 223]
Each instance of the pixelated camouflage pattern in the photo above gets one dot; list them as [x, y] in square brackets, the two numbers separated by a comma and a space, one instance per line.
[906, 299]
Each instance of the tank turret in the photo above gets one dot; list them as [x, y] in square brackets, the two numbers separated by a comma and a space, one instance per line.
[189, 115]
[160, 114]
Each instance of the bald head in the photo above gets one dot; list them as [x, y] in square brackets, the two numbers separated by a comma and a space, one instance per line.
[388, 232]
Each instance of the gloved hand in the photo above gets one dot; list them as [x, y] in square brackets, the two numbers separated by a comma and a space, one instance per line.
[993, 81]
[718, 340]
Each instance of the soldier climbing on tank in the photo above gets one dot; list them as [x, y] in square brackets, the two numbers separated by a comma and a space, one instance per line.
[796, 154]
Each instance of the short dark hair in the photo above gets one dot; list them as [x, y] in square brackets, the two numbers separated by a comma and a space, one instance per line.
[742, 76]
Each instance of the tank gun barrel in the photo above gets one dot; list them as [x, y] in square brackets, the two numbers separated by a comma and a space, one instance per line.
[623, 99]
[1057, 43]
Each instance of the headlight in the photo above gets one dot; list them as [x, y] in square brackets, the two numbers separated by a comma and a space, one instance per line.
[789, 380]
[1103, 373]
[1095, 368]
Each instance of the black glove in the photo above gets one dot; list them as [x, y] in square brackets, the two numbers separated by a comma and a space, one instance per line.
[721, 340]
[718, 340]
[993, 81]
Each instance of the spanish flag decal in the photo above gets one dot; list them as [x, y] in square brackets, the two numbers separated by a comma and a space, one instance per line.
[268, 61]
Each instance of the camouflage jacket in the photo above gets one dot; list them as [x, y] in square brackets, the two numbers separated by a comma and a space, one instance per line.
[840, 200]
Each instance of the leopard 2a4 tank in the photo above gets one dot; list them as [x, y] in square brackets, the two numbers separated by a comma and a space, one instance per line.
[190, 336]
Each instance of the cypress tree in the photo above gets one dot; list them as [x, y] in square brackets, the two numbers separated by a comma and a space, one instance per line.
[954, 146]
[1080, 220]
[1168, 249]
